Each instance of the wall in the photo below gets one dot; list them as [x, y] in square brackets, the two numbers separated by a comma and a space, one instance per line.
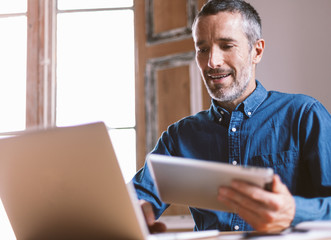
[297, 58]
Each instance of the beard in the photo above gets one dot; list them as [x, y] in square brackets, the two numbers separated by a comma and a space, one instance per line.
[236, 88]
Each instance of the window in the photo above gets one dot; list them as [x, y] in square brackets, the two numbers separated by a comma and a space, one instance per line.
[13, 46]
[68, 62]
[13, 43]
[95, 70]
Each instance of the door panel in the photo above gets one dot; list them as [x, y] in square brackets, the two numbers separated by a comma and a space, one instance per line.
[168, 82]
[173, 90]
[162, 21]
[173, 95]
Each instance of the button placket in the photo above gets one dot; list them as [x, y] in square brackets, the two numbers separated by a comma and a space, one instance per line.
[234, 137]
[222, 117]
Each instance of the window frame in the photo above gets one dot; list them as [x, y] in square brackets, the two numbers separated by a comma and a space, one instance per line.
[41, 64]
[41, 60]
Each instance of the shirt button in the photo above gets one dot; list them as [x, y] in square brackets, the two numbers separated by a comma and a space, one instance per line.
[233, 129]
[220, 119]
[236, 227]
[249, 113]
[234, 163]
[222, 112]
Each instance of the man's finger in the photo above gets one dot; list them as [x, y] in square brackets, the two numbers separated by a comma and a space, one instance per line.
[278, 186]
[148, 212]
[261, 196]
[263, 210]
[157, 227]
[240, 202]
[154, 227]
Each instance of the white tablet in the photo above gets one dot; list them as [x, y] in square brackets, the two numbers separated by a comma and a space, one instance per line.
[195, 183]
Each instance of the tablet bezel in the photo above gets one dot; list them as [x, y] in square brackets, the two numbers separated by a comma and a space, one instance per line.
[195, 183]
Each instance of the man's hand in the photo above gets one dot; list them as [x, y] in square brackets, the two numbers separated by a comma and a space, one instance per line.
[154, 226]
[264, 211]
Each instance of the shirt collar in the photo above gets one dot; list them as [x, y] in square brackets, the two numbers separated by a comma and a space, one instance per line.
[250, 104]
[254, 100]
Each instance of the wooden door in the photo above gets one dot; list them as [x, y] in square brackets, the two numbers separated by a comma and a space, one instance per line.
[168, 82]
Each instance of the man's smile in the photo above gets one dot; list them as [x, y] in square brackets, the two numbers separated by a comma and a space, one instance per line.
[218, 77]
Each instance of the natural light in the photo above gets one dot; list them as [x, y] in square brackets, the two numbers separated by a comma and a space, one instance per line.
[6, 231]
[12, 78]
[95, 76]
[94, 70]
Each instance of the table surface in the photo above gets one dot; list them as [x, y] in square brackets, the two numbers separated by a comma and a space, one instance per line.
[311, 235]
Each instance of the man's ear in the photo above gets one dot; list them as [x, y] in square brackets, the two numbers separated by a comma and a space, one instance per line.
[258, 49]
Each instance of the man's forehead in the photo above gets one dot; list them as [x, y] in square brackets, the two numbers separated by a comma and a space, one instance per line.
[221, 23]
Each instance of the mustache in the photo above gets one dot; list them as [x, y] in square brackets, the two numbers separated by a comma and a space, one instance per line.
[219, 71]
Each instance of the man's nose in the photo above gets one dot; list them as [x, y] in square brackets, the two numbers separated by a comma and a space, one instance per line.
[216, 58]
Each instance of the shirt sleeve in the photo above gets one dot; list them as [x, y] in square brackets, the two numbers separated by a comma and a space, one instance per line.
[316, 139]
[310, 209]
[143, 182]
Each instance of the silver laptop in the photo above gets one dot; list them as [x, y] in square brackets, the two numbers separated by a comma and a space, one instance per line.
[65, 183]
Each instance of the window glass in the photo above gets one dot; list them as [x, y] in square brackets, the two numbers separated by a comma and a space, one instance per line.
[95, 68]
[13, 73]
[124, 142]
[90, 4]
[6, 231]
[95, 76]
[13, 6]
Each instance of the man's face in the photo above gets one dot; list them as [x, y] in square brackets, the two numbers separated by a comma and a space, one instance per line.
[224, 57]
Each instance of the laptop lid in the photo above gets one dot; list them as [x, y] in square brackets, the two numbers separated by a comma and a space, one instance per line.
[65, 183]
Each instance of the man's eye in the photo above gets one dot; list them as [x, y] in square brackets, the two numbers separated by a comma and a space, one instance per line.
[226, 46]
[202, 50]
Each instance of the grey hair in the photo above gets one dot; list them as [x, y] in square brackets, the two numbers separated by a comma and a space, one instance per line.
[252, 26]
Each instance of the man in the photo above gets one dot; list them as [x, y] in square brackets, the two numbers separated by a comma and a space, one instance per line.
[248, 125]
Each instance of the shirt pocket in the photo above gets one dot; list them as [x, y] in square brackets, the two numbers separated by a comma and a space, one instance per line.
[278, 159]
[285, 164]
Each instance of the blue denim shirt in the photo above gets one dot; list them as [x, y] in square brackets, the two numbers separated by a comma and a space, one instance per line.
[290, 133]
